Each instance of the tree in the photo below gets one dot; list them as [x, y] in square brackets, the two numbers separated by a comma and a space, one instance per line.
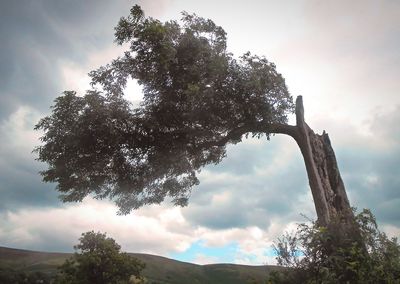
[316, 255]
[197, 99]
[98, 260]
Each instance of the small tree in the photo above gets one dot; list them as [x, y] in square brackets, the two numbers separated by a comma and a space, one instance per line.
[98, 260]
[316, 254]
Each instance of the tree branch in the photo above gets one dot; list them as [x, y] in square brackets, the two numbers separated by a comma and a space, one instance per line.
[237, 133]
[280, 128]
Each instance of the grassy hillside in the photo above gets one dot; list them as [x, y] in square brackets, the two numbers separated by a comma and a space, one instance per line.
[30, 261]
[158, 269]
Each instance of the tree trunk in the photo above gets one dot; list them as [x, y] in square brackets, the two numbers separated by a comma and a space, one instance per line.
[328, 191]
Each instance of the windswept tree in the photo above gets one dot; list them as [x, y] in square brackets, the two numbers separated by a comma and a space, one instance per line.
[198, 98]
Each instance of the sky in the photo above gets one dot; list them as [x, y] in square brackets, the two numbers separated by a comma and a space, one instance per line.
[341, 56]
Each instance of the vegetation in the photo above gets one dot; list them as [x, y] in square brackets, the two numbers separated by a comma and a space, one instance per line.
[158, 269]
[316, 254]
[98, 260]
[10, 275]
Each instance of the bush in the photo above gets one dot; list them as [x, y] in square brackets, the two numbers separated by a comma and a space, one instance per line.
[9, 274]
[321, 255]
[98, 260]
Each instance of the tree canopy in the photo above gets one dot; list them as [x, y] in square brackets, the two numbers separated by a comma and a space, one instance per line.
[198, 98]
[98, 260]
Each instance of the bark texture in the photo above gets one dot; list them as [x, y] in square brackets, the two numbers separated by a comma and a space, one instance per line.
[327, 187]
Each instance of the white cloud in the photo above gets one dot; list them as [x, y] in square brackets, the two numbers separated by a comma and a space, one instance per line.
[33, 228]
[75, 77]
[157, 230]
[391, 231]
[155, 8]
[75, 74]
[18, 136]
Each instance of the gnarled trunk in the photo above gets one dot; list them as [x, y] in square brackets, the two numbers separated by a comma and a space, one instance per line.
[329, 194]
[327, 187]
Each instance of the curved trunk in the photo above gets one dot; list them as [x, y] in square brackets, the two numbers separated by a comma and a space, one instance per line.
[329, 194]
[327, 187]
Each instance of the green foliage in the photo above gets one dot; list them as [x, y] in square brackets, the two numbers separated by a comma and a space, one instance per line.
[9, 275]
[197, 99]
[98, 260]
[321, 255]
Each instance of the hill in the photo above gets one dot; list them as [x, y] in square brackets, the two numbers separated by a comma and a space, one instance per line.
[160, 270]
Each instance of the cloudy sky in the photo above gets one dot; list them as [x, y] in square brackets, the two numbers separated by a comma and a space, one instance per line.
[342, 56]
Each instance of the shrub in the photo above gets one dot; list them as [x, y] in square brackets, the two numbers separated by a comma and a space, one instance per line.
[98, 260]
[315, 254]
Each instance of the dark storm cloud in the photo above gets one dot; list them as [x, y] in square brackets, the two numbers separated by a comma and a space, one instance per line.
[37, 38]
[371, 171]
[21, 187]
[369, 167]
[254, 187]
[20, 183]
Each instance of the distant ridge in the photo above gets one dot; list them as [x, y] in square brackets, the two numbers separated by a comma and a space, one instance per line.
[160, 270]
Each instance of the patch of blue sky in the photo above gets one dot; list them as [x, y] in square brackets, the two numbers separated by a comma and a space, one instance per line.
[270, 252]
[221, 254]
[266, 257]
[229, 253]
